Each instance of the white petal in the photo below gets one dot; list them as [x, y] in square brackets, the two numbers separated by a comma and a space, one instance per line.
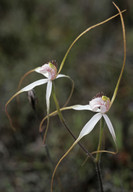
[110, 126]
[81, 107]
[34, 84]
[61, 75]
[90, 125]
[48, 94]
[38, 70]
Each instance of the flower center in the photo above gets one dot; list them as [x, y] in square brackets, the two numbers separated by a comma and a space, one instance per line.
[52, 71]
[49, 70]
[100, 104]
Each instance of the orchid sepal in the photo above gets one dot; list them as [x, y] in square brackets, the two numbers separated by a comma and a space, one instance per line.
[89, 126]
[48, 94]
[110, 127]
[25, 89]
[80, 35]
[124, 59]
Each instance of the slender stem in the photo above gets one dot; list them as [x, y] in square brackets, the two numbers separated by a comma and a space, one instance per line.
[100, 140]
[48, 154]
[97, 160]
[65, 125]
[99, 175]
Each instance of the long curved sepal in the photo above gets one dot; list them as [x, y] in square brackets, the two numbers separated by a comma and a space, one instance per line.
[25, 89]
[84, 32]
[70, 95]
[124, 59]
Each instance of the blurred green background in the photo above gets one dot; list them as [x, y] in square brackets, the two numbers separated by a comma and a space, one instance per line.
[33, 33]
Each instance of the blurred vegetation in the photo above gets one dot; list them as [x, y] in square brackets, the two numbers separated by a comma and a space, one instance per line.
[33, 33]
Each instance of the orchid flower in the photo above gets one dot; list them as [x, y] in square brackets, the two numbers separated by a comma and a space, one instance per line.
[49, 71]
[101, 105]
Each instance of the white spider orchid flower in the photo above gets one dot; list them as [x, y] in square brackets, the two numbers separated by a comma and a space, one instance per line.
[48, 70]
[100, 105]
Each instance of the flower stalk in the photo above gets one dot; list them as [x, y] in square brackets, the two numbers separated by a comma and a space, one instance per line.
[98, 156]
[100, 140]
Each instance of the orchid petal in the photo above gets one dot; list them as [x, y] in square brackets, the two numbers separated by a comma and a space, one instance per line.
[110, 126]
[38, 70]
[90, 125]
[34, 84]
[62, 75]
[48, 70]
[27, 88]
[48, 94]
[81, 107]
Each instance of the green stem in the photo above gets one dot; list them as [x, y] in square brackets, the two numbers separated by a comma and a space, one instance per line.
[100, 140]
[57, 104]
[97, 160]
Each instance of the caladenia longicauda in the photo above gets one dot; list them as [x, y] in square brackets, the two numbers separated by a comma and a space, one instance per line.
[50, 73]
[100, 105]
